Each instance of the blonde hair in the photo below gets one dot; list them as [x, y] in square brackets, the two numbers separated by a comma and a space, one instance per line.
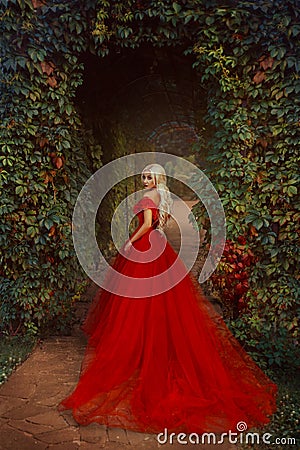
[160, 181]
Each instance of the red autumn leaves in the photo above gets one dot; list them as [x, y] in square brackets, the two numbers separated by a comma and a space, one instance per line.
[232, 281]
[48, 69]
[265, 62]
[57, 161]
[37, 3]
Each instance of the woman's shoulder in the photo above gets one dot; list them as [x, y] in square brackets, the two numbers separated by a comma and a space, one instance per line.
[152, 195]
[146, 202]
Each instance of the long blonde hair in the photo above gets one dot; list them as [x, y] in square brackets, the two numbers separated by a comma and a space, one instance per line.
[160, 181]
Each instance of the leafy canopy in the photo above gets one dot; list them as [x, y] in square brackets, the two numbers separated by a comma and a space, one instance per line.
[248, 55]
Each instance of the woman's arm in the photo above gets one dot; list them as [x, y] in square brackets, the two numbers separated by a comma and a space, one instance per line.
[142, 230]
[145, 227]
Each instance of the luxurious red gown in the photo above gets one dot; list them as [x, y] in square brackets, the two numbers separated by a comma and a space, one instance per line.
[165, 361]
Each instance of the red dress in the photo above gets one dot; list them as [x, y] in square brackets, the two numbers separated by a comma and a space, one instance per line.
[166, 361]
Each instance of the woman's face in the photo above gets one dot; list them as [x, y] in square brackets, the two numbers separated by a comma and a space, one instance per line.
[148, 180]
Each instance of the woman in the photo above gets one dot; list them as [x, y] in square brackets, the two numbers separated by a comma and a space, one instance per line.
[166, 360]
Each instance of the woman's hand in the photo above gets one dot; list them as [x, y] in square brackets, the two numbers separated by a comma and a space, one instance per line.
[128, 246]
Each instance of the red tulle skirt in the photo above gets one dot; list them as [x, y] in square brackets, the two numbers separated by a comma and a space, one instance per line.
[165, 361]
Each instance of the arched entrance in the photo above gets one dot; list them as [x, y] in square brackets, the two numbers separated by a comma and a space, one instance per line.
[153, 97]
[154, 91]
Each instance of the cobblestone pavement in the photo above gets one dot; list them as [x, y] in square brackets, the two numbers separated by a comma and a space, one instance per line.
[29, 418]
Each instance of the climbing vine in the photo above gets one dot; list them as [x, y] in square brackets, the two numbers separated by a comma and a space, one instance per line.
[43, 162]
[248, 55]
[255, 110]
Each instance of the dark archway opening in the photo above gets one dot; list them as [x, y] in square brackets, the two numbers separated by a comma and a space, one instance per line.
[154, 92]
[147, 99]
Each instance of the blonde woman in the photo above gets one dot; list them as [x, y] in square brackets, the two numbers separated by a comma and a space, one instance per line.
[164, 360]
[154, 180]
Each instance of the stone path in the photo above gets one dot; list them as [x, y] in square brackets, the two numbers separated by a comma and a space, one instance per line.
[29, 418]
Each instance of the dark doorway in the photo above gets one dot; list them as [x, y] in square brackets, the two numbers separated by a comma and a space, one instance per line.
[154, 92]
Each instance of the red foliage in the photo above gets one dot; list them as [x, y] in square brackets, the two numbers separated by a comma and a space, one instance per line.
[57, 161]
[52, 81]
[43, 141]
[38, 4]
[52, 231]
[47, 67]
[238, 36]
[259, 77]
[231, 279]
[266, 62]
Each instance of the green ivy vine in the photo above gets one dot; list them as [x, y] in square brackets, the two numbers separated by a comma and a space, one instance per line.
[43, 163]
[248, 55]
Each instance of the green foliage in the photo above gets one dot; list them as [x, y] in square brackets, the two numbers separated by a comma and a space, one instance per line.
[284, 423]
[42, 164]
[252, 69]
[248, 55]
[13, 351]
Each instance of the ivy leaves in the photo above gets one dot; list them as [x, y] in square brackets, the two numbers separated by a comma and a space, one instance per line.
[248, 56]
[42, 168]
[254, 152]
